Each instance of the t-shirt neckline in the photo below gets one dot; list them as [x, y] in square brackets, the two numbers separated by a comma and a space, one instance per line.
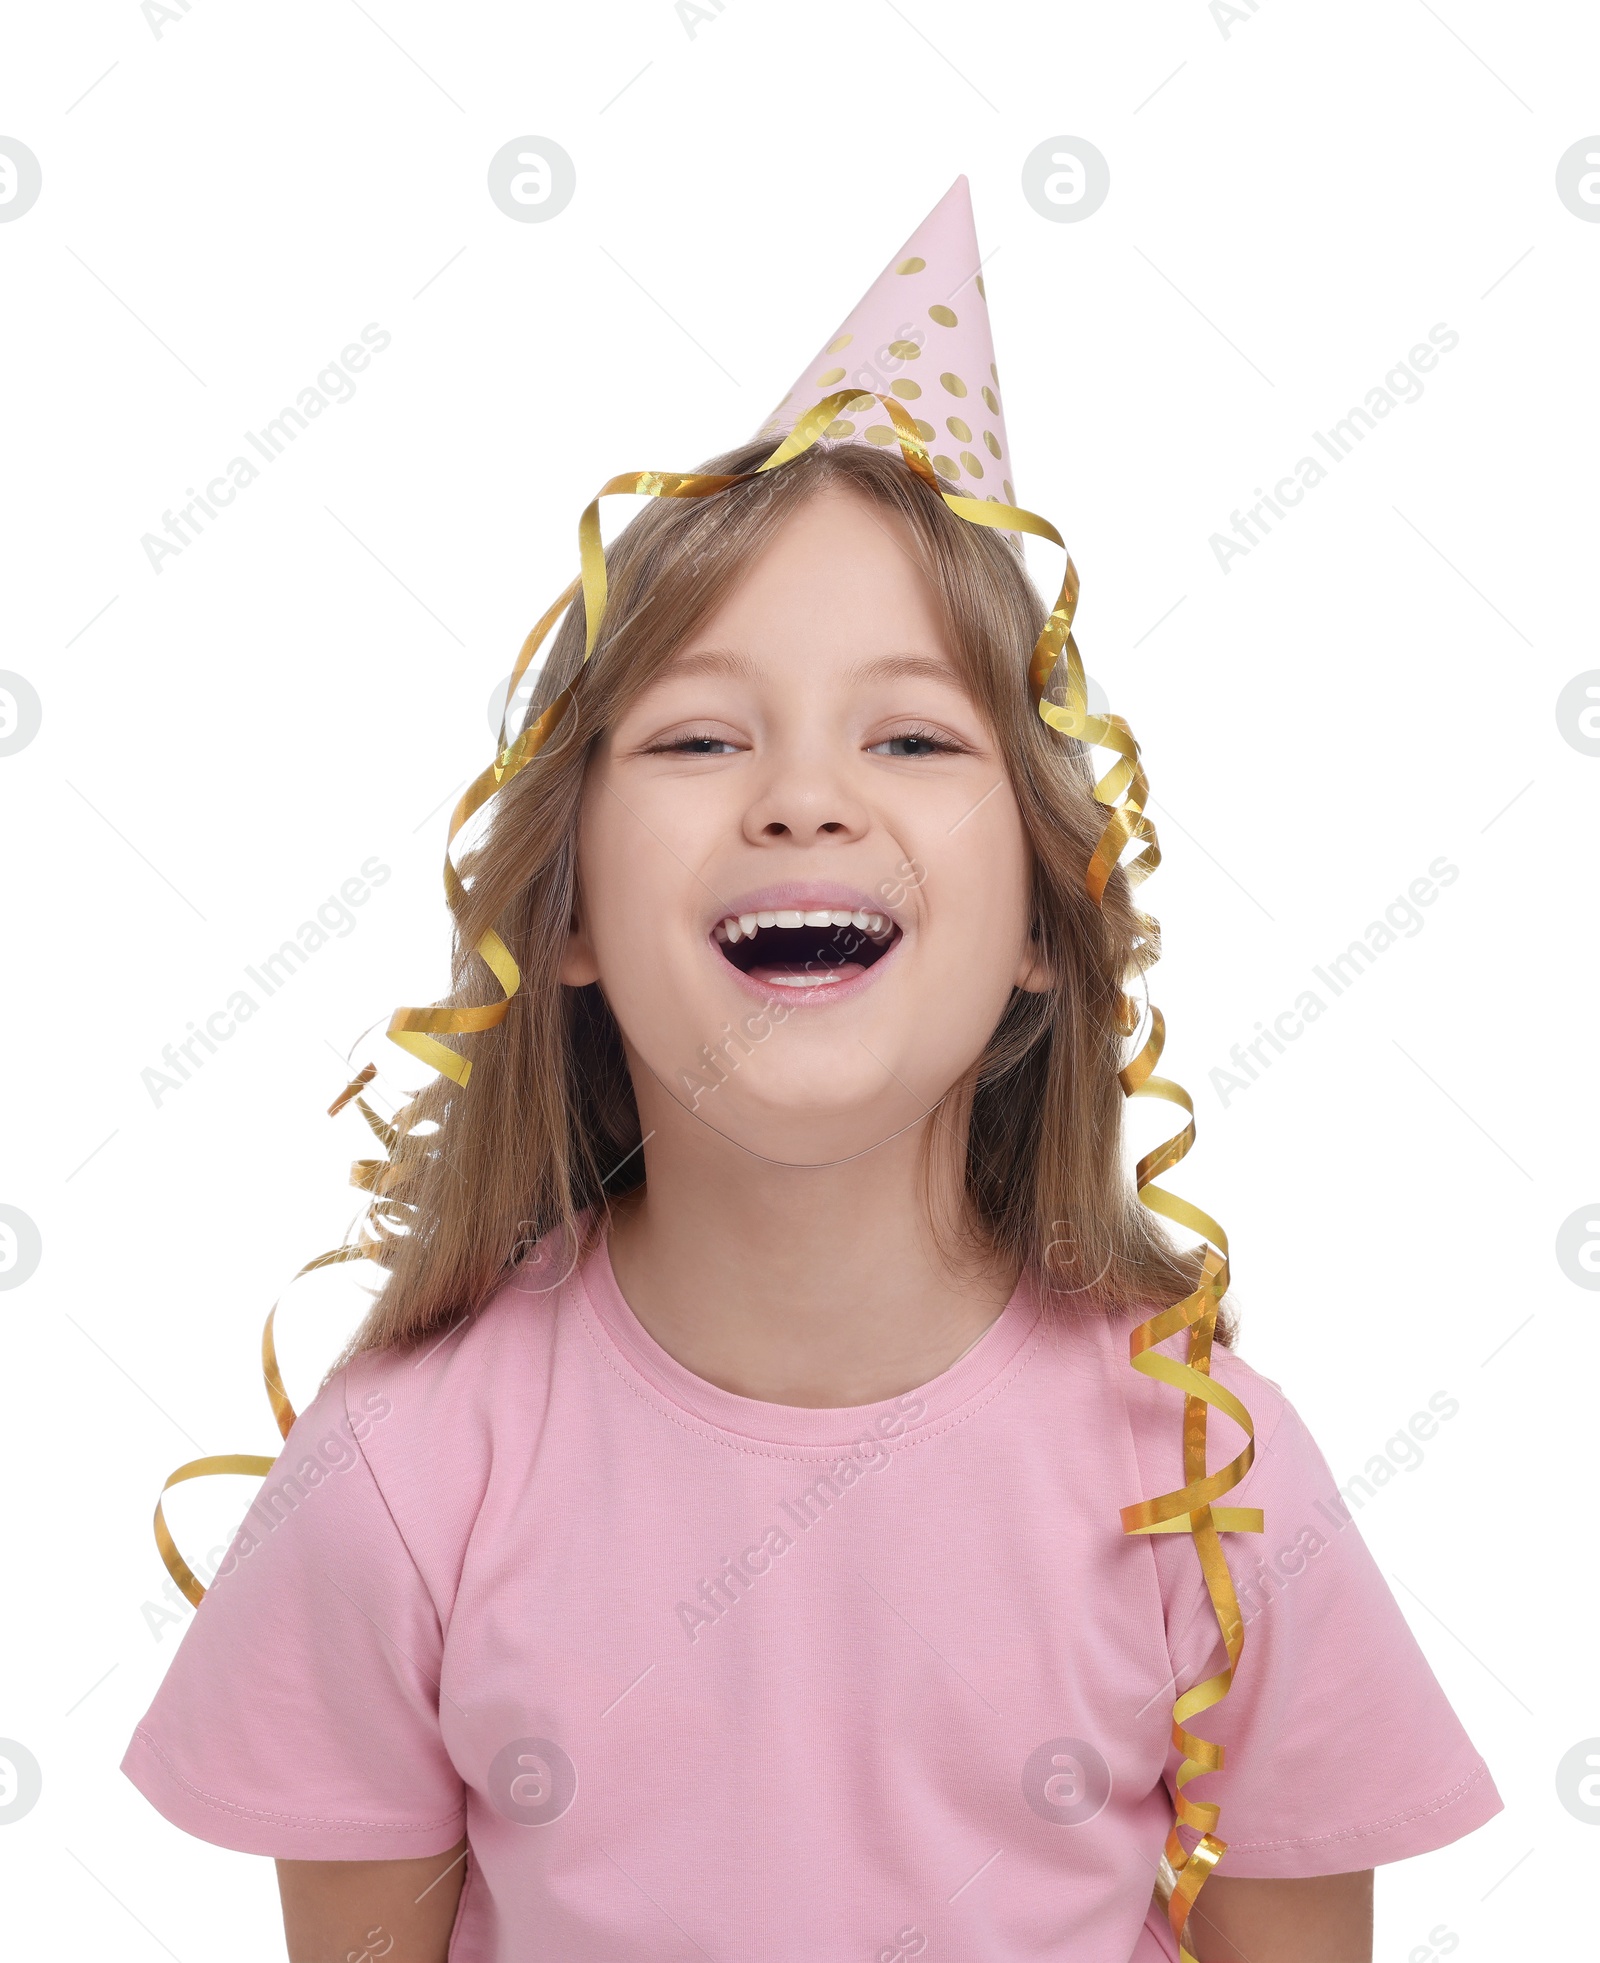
[829, 1426]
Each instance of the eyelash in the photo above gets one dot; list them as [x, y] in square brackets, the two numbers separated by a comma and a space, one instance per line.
[681, 745]
[939, 745]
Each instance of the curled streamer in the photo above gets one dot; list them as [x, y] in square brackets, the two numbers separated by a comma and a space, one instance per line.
[1122, 793]
[382, 1217]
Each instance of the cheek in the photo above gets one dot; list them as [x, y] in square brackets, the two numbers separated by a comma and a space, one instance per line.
[618, 866]
[639, 896]
[975, 904]
[607, 869]
[981, 892]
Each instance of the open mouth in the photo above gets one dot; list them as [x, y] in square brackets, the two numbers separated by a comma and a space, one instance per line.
[816, 949]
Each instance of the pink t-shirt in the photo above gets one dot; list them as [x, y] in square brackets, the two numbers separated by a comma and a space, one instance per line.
[703, 1676]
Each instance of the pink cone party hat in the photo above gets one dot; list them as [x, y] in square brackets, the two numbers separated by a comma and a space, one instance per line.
[921, 332]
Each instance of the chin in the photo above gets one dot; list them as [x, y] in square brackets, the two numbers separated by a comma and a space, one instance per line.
[819, 1094]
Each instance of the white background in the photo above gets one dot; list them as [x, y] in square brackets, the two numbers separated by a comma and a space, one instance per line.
[1294, 203]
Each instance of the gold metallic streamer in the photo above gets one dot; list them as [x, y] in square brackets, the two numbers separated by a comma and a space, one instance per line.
[1123, 793]
[176, 1565]
[364, 1173]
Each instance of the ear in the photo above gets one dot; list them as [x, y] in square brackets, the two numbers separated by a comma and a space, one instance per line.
[578, 966]
[1033, 973]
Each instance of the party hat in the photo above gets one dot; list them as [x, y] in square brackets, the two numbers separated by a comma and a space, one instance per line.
[920, 332]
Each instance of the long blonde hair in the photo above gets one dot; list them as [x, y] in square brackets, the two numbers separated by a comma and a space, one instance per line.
[544, 1134]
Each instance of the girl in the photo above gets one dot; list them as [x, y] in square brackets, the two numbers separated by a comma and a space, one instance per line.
[724, 1537]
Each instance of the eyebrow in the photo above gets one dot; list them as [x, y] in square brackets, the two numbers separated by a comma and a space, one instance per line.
[729, 663]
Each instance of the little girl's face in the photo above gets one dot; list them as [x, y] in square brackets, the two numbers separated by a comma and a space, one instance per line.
[803, 878]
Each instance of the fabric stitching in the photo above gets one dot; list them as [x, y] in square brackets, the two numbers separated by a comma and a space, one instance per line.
[383, 1497]
[812, 1455]
[292, 1819]
[1480, 1771]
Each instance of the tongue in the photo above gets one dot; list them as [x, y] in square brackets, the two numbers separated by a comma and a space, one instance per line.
[795, 975]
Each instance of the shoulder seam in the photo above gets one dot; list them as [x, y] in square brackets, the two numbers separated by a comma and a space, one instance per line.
[383, 1498]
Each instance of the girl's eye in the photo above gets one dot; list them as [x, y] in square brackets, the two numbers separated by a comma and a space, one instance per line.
[915, 743]
[691, 746]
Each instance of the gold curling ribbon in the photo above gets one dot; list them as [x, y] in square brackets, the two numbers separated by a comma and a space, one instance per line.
[365, 1173]
[1190, 1509]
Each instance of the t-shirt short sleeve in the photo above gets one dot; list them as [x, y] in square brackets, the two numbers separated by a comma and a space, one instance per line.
[300, 1714]
[1342, 1751]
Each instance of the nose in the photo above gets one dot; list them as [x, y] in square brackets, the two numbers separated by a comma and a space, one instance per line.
[805, 798]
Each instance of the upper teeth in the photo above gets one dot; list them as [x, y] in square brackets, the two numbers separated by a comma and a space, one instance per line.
[741, 926]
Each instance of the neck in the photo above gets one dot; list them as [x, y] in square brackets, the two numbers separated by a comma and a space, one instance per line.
[818, 1286]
